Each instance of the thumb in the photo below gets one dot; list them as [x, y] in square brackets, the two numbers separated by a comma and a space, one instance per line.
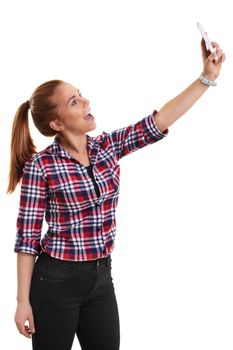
[31, 323]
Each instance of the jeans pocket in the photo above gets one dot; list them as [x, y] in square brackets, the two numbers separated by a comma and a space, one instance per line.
[57, 273]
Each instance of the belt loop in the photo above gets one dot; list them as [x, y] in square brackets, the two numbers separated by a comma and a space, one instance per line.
[109, 261]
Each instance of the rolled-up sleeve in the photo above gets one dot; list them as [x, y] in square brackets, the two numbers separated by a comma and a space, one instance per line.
[31, 209]
[135, 136]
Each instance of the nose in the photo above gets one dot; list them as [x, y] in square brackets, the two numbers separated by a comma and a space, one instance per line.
[86, 100]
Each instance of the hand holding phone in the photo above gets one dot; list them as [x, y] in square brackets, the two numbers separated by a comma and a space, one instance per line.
[209, 46]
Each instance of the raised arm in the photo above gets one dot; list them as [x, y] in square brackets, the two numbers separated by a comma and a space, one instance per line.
[133, 137]
[176, 107]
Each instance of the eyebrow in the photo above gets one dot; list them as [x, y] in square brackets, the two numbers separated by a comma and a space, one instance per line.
[72, 97]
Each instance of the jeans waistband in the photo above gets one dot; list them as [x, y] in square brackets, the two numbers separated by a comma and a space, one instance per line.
[96, 262]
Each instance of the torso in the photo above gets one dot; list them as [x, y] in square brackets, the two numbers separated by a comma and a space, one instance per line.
[86, 162]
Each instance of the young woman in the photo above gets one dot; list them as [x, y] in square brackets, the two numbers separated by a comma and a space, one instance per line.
[74, 181]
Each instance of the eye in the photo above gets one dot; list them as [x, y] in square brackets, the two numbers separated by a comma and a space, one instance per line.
[80, 94]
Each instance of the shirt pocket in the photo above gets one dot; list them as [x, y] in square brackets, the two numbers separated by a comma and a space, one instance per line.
[73, 195]
[115, 176]
[109, 176]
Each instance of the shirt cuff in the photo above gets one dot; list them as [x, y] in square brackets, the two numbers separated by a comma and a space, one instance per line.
[151, 129]
[162, 133]
[27, 245]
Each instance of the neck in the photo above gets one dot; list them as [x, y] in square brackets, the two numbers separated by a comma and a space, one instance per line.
[73, 143]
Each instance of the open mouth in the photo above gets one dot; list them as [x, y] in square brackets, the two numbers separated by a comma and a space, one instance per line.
[88, 116]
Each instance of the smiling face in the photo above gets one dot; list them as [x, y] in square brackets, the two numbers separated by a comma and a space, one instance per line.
[72, 111]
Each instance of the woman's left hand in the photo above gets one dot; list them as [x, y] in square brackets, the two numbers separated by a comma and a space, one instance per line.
[212, 67]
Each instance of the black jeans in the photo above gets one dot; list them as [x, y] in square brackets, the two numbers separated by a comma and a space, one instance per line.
[68, 298]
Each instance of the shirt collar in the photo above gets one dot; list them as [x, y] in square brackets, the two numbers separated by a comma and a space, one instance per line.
[56, 148]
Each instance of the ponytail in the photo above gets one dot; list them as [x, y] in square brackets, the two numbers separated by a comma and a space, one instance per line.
[22, 146]
[44, 109]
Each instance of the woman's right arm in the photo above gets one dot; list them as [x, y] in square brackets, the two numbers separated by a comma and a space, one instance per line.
[25, 266]
[32, 206]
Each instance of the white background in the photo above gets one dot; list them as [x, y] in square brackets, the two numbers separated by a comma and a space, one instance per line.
[172, 262]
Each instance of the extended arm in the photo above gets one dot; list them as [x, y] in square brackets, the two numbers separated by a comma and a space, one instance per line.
[176, 107]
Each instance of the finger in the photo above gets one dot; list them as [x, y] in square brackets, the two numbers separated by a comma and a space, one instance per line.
[23, 331]
[222, 58]
[203, 45]
[214, 44]
[212, 57]
[219, 54]
[31, 323]
[204, 49]
[26, 334]
[28, 329]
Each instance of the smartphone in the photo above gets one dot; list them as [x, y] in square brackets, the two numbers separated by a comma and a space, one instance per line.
[209, 46]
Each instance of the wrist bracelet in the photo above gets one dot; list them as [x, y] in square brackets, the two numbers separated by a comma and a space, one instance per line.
[206, 81]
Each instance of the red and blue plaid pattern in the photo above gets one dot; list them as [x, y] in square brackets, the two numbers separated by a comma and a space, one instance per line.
[81, 225]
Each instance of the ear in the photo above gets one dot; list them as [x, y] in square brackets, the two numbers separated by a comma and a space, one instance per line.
[56, 124]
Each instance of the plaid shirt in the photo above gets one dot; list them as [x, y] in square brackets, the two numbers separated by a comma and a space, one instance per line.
[81, 225]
